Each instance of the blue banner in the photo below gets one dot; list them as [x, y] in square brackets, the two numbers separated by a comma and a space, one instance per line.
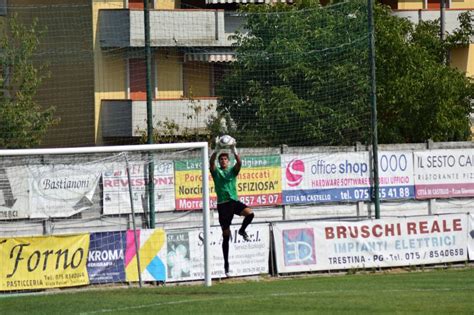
[105, 262]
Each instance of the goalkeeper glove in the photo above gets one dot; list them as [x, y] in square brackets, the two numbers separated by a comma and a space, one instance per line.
[234, 149]
[217, 146]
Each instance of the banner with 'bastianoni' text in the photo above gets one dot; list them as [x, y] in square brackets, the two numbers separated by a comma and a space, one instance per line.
[42, 262]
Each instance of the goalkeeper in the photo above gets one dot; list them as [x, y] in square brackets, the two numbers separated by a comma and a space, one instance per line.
[228, 204]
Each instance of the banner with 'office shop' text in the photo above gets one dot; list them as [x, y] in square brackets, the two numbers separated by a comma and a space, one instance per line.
[258, 183]
[310, 246]
[325, 177]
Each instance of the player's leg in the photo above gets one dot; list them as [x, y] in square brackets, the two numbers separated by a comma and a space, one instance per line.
[225, 249]
[225, 220]
[248, 215]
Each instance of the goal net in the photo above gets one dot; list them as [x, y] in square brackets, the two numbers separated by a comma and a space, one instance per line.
[72, 217]
[273, 74]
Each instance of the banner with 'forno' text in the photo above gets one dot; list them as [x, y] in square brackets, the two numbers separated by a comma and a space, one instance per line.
[42, 262]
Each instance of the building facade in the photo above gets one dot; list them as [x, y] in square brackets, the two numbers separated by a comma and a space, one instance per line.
[95, 56]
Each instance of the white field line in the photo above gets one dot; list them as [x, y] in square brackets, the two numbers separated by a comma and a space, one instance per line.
[207, 299]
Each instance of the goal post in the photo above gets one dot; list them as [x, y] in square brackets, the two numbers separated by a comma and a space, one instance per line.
[12, 160]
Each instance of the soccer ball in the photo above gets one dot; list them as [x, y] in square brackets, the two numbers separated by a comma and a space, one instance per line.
[226, 141]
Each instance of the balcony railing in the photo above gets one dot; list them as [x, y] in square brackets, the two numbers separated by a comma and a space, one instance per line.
[168, 28]
[415, 16]
[127, 118]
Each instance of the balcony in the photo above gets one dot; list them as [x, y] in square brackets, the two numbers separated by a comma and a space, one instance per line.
[451, 16]
[126, 118]
[120, 28]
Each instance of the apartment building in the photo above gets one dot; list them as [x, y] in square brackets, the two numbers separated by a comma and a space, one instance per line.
[418, 10]
[190, 51]
[461, 57]
[94, 55]
[95, 58]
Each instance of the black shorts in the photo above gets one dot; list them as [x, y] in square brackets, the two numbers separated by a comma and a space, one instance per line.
[227, 210]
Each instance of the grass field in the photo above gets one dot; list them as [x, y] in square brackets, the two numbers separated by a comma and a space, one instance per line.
[421, 292]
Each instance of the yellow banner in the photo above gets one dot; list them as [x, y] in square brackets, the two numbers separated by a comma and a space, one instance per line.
[152, 252]
[43, 262]
[258, 183]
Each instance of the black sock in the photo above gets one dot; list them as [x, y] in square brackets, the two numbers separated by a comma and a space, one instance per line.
[225, 252]
[247, 220]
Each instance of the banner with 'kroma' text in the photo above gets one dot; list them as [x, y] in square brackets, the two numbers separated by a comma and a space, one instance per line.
[106, 259]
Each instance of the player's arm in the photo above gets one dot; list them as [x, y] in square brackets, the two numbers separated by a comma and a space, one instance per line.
[238, 161]
[212, 160]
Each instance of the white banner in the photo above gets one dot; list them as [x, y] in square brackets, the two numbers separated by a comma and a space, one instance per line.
[396, 175]
[325, 177]
[116, 191]
[61, 190]
[444, 173]
[470, 243]
[186, 253]
[309, 246]
[14, 194]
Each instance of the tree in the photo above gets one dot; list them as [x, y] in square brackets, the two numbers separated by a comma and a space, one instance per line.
[279, 88]
[301, 78]
[418, 96]
[23, 123]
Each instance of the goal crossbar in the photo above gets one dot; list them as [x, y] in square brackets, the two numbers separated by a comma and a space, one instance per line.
[145, 147]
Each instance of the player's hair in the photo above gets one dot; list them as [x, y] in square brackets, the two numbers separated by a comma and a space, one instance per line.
[223, 154]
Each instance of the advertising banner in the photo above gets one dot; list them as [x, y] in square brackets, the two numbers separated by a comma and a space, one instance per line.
[152, 251]
[14, 193]
[47, 191]
[396, 180]
[470, 243]
[444, 173]
[61, 190]
[42, 262]
[310, 246]
[106, 260]
[186, 253]
[325, 177]
[258, 183]
[116, 193]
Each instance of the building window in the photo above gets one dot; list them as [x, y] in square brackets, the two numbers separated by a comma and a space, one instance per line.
[138, 4]
[3, 7]
[434, 4]
[137, 79]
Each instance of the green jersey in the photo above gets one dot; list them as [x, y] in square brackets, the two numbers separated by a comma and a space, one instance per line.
[225, 182]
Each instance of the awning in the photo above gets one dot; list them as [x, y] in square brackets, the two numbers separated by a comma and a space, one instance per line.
[247, 1]
[210, 56]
